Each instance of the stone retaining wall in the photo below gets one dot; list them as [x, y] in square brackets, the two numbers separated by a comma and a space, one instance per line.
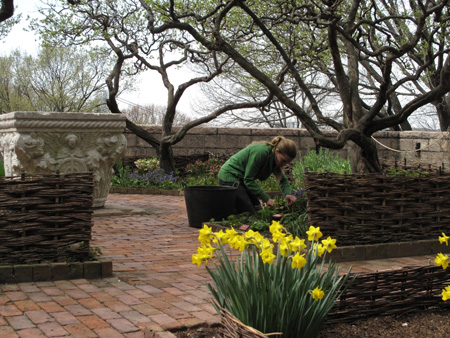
[416, 147]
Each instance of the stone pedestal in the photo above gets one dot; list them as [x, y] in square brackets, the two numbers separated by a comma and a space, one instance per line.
[42, 143]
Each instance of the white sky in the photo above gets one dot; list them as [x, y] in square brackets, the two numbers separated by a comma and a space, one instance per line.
[18, 38]
[150, 89]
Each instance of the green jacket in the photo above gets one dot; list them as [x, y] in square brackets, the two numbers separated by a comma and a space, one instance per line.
[256, 161]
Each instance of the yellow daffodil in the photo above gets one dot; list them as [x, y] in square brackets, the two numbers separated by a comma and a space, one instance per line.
[298, 261]
[250, 233]
[242, 244]
[444, 239]
[277, 236]
[238, 243]
[229, 235]
[329, 244]
[284, 248]
[204, 253]
[266, 244]
[446, 293]
[259, 237]
[267, 256]
[319, 248]
[317, 294]
[297, 244]
[314, 233]
[254, 237]
[441, 260]
[196, 260]
[204, 236]
[219, 237]
[275, 227]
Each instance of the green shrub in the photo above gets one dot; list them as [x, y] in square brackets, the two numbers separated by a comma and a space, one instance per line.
[322, 161]
[147, 164]
[203, 172]
[210, 167]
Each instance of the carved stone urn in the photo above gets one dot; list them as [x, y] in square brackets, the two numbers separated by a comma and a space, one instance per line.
[43, 143]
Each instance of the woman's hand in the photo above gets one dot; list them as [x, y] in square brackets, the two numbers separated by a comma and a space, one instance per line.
[290, 199]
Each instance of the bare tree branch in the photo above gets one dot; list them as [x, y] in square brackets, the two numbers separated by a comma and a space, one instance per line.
[7, 10]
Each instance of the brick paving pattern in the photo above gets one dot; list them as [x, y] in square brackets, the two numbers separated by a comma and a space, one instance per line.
[155, 288]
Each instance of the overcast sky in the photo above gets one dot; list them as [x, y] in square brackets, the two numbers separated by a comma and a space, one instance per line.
[18, 38]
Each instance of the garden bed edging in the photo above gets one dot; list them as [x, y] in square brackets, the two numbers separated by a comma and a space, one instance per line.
[40, 272]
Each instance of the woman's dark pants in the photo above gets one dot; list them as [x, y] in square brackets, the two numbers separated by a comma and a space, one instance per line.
[245, 201]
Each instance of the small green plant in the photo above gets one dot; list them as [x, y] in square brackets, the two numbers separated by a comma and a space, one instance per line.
[401, 172]
[270, 184]
[294, 217]
[322, 161]
[290, 292]
[200, 180]
[121, 177]
[210, 167]
[147, 164]
[203, 172]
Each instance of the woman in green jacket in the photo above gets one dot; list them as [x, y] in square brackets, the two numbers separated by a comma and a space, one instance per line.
[258, 161]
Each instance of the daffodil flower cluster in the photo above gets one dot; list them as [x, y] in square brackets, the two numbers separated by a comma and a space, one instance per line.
[288, 245]
[442, 260]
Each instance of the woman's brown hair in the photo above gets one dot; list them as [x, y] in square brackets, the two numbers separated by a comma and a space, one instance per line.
[286, 147]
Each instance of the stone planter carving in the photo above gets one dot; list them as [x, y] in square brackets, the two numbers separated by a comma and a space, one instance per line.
[42, 143]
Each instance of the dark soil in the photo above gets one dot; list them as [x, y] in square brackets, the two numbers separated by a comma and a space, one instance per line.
[433, 324]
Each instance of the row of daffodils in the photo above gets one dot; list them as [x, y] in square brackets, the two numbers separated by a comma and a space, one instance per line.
[280, 285]
[442, 260]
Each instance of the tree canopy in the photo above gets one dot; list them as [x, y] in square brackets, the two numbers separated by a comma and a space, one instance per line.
[363, 47]
[56, 79]
[122, 27]
[380, 60]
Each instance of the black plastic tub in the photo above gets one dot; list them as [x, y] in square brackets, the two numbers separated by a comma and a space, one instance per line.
[204, 202]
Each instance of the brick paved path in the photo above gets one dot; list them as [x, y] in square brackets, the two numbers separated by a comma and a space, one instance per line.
[155, 287]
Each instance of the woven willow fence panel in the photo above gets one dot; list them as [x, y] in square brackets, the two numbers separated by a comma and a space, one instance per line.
[391, 292]
[374, 208]
[386, 293]
[45, 218]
